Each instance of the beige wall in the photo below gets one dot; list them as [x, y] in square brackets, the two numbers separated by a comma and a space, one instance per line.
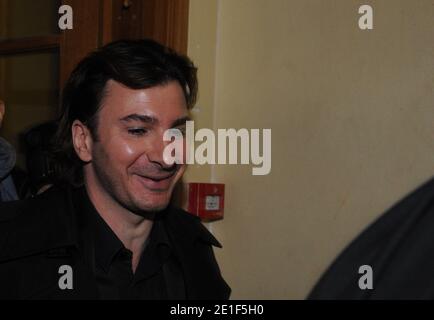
[351, 114]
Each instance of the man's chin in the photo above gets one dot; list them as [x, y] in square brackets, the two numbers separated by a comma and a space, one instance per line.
[143, 200]
[155, 206]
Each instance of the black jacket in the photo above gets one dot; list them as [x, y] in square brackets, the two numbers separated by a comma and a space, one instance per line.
[399, 247]
[39, 235]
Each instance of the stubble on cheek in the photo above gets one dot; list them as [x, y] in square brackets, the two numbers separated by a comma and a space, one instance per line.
[105, 170]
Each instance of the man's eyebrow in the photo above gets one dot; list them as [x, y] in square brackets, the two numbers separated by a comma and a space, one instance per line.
[180, 121]
[139, 117]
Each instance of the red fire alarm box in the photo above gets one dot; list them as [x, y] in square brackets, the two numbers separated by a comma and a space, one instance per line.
[206, 200]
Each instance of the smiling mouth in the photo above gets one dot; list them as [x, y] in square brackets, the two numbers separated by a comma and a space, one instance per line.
[157, 183]
[159, 178]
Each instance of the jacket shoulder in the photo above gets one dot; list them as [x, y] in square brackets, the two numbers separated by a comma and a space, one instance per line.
[9, 210]
[13, 209]
[33, 225]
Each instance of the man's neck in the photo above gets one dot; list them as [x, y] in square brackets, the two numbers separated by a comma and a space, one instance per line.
[131, 229]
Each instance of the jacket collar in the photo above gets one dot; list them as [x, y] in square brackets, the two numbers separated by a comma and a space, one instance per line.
[188, 228]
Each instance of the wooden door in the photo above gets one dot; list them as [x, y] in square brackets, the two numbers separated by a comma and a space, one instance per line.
[99, 22]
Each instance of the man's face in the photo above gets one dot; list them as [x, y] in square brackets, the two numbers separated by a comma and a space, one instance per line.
[127, 158]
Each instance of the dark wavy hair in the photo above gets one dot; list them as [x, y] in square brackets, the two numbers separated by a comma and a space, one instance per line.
[137, 64]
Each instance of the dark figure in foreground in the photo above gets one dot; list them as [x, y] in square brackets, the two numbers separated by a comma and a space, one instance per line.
[398, 248]
[110, 231]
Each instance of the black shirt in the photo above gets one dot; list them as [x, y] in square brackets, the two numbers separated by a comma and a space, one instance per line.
[111, 262]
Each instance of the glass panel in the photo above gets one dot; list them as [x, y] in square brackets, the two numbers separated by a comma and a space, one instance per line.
[27, 18]
[29, 87]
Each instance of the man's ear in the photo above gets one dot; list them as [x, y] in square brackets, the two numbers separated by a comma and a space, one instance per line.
[82, 141]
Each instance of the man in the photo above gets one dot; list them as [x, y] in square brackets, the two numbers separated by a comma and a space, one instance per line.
[115, 235]
[8, 190]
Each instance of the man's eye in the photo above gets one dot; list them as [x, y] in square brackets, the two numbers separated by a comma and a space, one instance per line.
[183, 130]
[137, 131]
